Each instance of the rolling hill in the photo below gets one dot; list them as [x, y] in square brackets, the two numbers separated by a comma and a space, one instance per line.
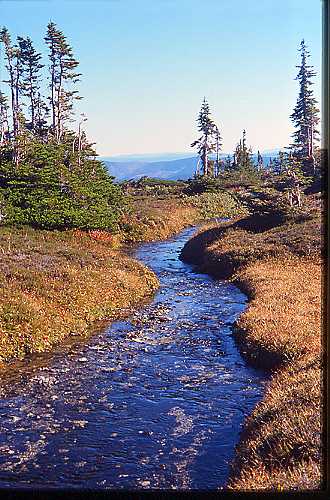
[136, 166]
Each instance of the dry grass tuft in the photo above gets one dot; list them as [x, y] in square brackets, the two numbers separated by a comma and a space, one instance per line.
[284, 315]
[55, 284]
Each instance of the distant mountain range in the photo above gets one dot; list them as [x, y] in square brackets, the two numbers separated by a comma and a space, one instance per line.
[170, 166]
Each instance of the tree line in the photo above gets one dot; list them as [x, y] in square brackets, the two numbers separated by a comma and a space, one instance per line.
[49, 174]
[295, 168]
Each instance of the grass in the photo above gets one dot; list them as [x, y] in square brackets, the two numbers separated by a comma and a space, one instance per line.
[279, 267]
[57, 284]
[156, 218]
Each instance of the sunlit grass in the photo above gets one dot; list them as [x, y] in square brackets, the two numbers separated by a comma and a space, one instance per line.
[55, 284]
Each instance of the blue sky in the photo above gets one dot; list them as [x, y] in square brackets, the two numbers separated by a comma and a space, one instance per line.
[147, 64]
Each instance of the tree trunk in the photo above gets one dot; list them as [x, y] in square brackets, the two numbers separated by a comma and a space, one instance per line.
[205, 160]
[32, 101]
[59, 104]
[52, 84]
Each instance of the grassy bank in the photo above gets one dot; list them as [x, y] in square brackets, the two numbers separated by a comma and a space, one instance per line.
[280, 269]
[55, 284]
[157, 217]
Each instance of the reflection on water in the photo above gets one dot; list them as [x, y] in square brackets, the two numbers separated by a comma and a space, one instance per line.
[153, 402]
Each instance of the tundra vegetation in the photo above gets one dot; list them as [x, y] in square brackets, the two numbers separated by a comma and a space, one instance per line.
[64, 223]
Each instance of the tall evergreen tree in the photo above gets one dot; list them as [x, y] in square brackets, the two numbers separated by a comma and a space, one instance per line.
[243, 155]
[62, 66]
[260, 161]
[218, 145]
[228, 164]
[45, 182]
[205, 143]
[305, 115]
[30, 87]
[13, 67]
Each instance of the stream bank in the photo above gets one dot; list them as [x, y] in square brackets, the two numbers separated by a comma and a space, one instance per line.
[155, 401]
[280, 269]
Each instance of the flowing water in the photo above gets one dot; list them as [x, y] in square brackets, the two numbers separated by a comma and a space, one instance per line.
[155, 401]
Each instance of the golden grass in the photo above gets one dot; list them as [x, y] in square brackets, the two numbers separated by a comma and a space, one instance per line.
[284, 315]
[158, 220]
[282, 437]
[57, 284]
[280, 270]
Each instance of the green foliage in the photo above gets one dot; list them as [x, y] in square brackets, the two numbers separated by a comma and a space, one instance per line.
[215, 204]
[243, 157]
[305, 114]
[240, 178]
[153, 187]
[50, 190]
[209, 141]
[202, 184]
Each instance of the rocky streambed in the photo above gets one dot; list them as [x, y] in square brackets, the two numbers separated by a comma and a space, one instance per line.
[152, 402]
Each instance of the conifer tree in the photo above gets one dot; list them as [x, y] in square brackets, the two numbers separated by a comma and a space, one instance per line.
[62, 66]
[205, 143]
[30, 86]
[228, 164]
[292, 178]
[13, 68]
[218, 145]
[278, 164]
[260, 162]
[45, 182]
[243, 155]
[305, 115]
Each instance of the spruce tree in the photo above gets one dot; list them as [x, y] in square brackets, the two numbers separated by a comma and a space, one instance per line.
[228, 164]
[13, 67]
[218, 144]
[30, 86]
[260, 161]
[55, 183]
[243, 155]
[305, 115]
[205, 143]
[292, 178]
[62, 66]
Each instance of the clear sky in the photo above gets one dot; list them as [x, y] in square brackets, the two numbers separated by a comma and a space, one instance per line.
[147, 64]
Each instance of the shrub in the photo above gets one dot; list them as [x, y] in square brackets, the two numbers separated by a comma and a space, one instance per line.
[49, 189]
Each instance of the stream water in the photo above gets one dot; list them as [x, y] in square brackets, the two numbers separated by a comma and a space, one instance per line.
[155, 401]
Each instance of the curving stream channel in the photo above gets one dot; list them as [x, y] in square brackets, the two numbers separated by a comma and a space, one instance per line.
[155, 401]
